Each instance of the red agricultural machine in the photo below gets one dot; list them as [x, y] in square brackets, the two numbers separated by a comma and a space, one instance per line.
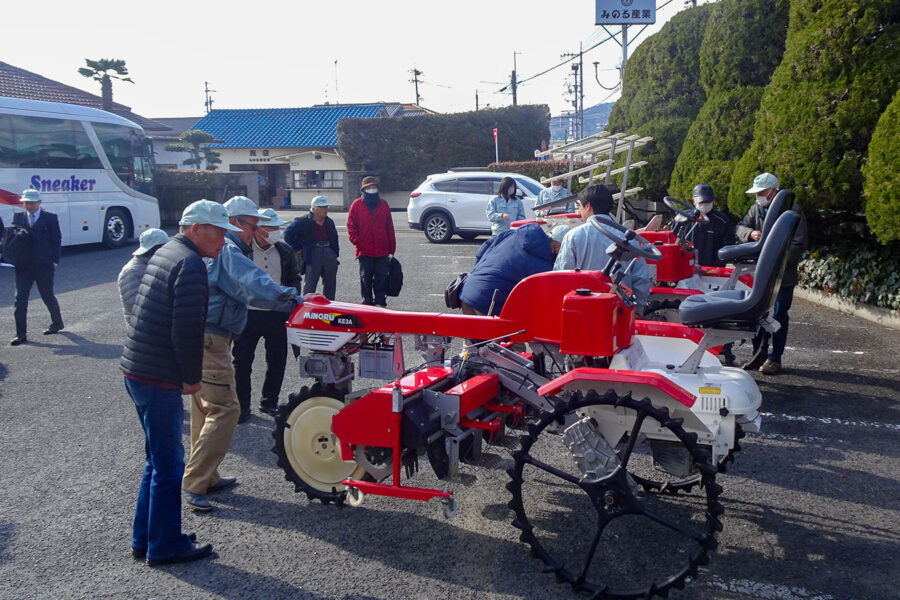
[617, 427]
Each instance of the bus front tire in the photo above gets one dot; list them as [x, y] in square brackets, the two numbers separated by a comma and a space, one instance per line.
[116, 228]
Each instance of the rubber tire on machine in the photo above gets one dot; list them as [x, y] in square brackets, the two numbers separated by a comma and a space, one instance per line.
[627, 503]
[438, 227]
[307, 451]
[116, 228]
[659, 310]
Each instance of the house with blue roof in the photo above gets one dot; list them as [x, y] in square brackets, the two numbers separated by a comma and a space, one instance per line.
[293, 150]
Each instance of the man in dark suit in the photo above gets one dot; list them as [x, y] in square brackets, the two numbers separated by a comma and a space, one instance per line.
[46, 243]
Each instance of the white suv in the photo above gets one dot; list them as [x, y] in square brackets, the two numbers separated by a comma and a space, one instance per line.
[455, 202]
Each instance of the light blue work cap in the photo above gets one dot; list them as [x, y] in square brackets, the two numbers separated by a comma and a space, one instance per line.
[30, 195]
[206, 212]
[559, 232]
[319, 201]
[241, 206]
[269, 218]
[150, 239]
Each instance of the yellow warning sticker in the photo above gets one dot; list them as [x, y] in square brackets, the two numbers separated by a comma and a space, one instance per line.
[710, 390]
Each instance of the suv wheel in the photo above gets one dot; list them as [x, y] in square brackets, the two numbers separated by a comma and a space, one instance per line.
[438, 227]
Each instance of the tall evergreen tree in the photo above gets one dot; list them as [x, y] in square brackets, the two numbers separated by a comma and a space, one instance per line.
[816, 117]
[742, 45]
[99, 70]
[661, 97]
[882, 176]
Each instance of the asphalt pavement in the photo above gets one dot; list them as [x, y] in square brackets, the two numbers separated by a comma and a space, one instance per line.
[811, 504]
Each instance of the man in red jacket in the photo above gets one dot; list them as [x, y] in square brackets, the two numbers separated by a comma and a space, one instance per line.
[372, 234]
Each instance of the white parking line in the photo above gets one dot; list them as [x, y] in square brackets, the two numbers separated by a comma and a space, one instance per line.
[832, 421]
[757, 589]
[857, 352]
[803, 439]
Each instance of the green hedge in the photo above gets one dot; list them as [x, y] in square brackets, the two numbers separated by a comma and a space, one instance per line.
[742, 45]
[882, 176]
[858, 272]
[661, 97]
[171, 177]
[403, 151]
[839, 72]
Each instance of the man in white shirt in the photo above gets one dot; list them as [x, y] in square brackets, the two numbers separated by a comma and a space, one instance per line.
[585, 246]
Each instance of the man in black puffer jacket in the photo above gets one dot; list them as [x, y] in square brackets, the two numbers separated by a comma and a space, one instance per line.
[162, 360]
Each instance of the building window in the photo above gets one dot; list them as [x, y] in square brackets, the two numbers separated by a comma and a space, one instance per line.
[332, 180]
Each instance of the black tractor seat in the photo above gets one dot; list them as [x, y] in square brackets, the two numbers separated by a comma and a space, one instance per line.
[749, 251]
[740, 309]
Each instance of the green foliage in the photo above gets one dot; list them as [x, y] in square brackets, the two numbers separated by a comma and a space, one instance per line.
[716, 140]
[539, 168]
[661, 96]
[173, 178]
[882, 176]
[402, 152]
[99, 70]
[816, 117]
[857, 272]
[742, 45]
[192, 141]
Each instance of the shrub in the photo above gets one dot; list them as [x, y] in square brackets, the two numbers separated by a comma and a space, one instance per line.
[857, 272]
[816, 117]
[742, 45]
[882, 176]
[403, 151]
[661, 96]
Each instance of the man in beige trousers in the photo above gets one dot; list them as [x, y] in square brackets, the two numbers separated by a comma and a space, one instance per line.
[234, 282]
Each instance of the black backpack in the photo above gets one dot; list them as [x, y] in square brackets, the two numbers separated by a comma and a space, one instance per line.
[17, 245]
[395, 277]
[451, 294]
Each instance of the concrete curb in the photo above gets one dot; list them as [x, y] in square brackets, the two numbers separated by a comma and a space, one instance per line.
[882, 316]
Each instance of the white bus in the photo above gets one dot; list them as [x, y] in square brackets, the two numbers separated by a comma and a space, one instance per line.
[93, 169]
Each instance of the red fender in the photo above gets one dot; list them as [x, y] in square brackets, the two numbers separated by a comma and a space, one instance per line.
[590, 374]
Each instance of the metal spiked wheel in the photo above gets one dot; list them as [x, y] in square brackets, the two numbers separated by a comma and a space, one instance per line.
[650, 542]
[307, 450]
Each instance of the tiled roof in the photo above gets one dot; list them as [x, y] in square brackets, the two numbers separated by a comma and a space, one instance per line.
[176, 125]
[314, 126]
[19, 83]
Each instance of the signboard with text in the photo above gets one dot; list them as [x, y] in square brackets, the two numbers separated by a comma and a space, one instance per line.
[626, 12]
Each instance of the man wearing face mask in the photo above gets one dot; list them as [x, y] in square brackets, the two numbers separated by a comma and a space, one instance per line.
[371, 232]
[276, 258]
[712, 233]
[765, 187]
[556, 191]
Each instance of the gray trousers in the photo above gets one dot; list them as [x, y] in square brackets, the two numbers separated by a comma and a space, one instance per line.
[323, 263]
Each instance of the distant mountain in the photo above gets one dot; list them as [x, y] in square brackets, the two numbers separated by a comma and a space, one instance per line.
[595, 119]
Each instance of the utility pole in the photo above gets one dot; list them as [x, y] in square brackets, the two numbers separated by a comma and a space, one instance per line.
[416, 73]
[209, 100]
[513, 80]
[578, 90]
[476, 99]
[336, 98]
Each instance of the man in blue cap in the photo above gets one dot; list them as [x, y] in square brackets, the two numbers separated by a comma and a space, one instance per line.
[314, 238]
[234, 283]
[161, 361]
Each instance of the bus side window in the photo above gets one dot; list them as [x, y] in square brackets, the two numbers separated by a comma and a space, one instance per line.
[35, 142]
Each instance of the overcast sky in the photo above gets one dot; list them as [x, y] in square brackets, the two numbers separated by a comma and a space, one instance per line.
[268, 54]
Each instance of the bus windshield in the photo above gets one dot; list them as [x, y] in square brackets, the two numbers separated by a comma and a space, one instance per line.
[130, 154]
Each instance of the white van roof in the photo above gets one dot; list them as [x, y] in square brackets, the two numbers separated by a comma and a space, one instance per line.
[59, 110]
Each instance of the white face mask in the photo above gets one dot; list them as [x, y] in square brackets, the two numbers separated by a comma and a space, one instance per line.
[275, 236]
[704, 207]
[555, 188]
[371, 190]
[762, 200]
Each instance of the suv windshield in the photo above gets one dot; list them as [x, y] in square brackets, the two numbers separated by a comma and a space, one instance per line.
[530, 185]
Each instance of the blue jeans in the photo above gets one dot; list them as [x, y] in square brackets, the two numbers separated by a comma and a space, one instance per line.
[373, 279]
[157, 516]
[783, 302]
